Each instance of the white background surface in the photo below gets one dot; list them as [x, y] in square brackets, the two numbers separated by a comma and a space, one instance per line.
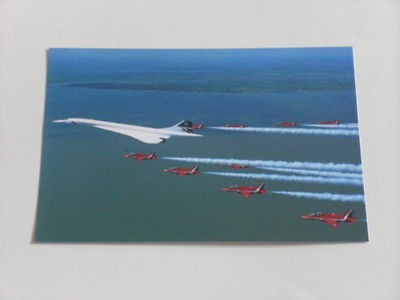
[216, 271]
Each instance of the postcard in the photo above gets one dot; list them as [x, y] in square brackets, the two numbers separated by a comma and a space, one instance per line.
[201, 145]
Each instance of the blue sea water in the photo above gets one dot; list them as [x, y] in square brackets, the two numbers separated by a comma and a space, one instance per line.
[89, 193]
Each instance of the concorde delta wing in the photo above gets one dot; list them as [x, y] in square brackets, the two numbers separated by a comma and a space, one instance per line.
[145, 137]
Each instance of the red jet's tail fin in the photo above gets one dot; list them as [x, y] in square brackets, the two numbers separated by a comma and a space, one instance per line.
[196, 168]
[260, 187]
[349, 214]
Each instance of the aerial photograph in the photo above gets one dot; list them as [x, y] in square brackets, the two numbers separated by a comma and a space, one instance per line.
[201, 145]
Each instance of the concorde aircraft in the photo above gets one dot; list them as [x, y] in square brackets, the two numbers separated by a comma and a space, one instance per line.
[144, 134]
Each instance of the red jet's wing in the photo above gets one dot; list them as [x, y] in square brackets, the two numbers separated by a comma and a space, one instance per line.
[245, 194]
[332, 223]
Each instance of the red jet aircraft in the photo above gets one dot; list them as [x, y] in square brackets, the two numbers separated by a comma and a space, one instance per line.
[238, 167]
[287, 124]
[141, 156]
[336, 122]
[332, 219]
[246, 191]
[183, 171]
[235, 126]
[197, 126]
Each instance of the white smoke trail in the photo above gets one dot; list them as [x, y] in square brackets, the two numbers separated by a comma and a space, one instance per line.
[324, 196]
[305, 179]
[339, 126]
[314, 173]
[342, 167]
[307, 131]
